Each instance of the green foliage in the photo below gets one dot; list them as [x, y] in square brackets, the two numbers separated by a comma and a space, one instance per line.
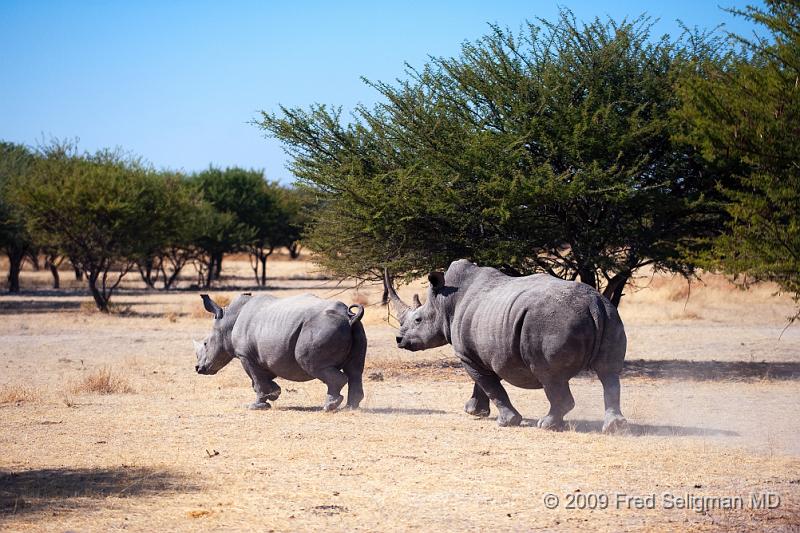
[97, 207]
[15, 241]
[747, 110]
[548, 150]
[252, 215]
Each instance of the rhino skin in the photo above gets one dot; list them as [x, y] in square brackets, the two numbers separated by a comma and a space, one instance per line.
[533, 332]
[298, 338]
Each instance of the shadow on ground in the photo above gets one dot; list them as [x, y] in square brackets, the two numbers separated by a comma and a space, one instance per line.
[21, 307]
[637, 368]
[369, 410]
[711, 370]
[32, 490]
[643, 430]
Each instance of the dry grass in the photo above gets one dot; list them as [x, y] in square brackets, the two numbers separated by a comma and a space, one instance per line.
[197, 310]
[102, 381]
[17, 394]
[184, 454]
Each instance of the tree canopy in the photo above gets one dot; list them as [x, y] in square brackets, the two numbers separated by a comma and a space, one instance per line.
[551, 149]
[747, 110]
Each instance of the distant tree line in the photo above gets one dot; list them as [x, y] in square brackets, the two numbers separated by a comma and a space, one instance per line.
[588, 151]
[110, 214]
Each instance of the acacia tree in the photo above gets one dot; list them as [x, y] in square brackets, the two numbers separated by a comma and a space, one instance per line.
[175, 226]
[747, 109]
[15, 240]
[548, 150]
[96, 206]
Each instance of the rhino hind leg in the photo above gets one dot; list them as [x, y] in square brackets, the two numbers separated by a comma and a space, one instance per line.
[561, 403]
[613, 421]
[478, 404]
[354, 368]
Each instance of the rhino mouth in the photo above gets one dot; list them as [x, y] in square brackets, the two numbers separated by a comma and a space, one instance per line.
[202, 369]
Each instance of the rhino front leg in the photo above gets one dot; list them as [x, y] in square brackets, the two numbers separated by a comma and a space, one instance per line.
[490, 383]
[335, 380]
[478, 404]
[263, 384]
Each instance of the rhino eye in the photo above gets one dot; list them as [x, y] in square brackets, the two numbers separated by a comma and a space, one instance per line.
[418, 319]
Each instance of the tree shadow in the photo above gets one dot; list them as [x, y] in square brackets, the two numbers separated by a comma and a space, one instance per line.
[20, 307]
[32, 490]
[710, 370]
[403, 411]
[642, 430]
[371, 410]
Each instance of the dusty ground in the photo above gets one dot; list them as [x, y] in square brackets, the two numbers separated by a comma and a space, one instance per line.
[711, 392]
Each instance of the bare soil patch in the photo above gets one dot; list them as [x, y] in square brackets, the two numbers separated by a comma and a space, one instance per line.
[712, 401]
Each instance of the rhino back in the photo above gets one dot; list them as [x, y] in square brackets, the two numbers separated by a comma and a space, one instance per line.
[273, 332]
[527, 326]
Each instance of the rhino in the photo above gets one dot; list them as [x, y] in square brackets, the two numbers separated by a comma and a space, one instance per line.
[534, 332]
[298, 338]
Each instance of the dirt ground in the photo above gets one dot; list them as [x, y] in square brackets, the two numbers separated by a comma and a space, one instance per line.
[710, 389]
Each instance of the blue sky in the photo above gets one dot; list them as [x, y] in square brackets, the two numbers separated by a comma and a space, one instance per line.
[177, 82]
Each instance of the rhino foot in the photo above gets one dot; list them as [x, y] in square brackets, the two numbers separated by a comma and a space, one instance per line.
[259, 406]
[509, 418]
[332, 402]
[551, 422]
[475, 409]
[615, 424]
[274, 395]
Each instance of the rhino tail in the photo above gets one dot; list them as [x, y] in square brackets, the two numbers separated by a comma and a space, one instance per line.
[354, 317]
[598, 311]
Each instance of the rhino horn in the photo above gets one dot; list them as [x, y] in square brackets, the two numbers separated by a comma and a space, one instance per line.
[415, 301]
[212, 306]
[197, 345]
[400, 307]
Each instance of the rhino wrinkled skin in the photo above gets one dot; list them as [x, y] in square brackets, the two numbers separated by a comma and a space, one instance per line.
[298, 338]
[533, 332]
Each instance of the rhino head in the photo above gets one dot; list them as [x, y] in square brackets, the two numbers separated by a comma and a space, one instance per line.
[213, 353]
[422, 326]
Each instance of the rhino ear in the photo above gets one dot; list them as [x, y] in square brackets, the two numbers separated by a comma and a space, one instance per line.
[416, 301]
[436, 280]
[212, 306]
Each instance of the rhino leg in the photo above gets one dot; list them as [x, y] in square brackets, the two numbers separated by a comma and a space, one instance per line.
[613, 421]
[478, 404]
[490, 383]
[335, 381]
[354, 368]
[263, 384]
[561, 403]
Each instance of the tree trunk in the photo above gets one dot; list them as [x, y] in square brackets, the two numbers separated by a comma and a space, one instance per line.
[78, 273]
[294, 250]
[15, 257]
[616, 285]
[97, 294]
[588, 276]
[210, 272]
[218, 266]
[54, 271]
[264, 270]
[147, 273]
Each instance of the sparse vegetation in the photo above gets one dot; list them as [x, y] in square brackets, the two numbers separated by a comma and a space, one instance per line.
[17, 394]
[102, 381]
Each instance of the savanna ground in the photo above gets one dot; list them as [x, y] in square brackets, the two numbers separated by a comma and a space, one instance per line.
[104, 425]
